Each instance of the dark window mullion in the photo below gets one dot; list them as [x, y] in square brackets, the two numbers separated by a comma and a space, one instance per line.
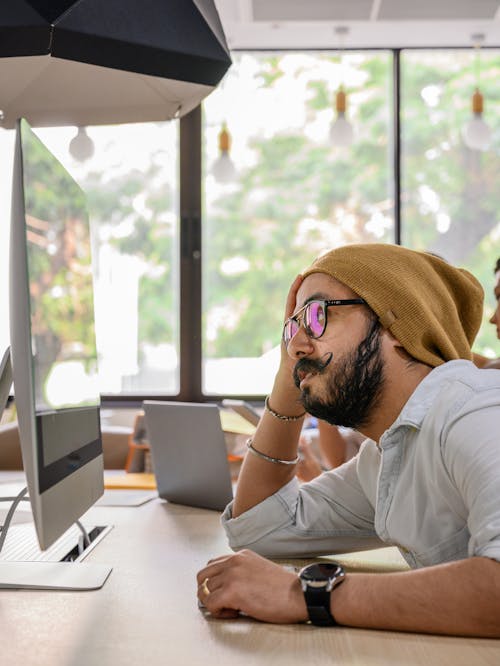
[190, 257]
[396, 101]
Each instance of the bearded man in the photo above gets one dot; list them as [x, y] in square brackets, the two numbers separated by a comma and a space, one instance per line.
[378, 338]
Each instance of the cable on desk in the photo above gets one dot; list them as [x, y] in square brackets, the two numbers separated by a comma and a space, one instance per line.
[15, 501]
[86, 538]
[21, 497]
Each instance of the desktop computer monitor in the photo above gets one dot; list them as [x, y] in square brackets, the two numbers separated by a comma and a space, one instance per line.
[52, 335]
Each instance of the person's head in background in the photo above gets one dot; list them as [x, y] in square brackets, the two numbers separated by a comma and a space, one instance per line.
[495, 318]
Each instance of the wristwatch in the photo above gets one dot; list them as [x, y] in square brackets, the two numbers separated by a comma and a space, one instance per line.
[317, 581]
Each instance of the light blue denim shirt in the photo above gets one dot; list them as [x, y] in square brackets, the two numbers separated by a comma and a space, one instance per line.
[431, 487]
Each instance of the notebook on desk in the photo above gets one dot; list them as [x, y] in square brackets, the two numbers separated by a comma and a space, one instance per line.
[189, 453]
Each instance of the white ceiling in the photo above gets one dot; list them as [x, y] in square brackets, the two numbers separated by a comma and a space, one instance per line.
[282, 24]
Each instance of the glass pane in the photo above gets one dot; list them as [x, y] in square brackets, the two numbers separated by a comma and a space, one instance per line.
[131, 183]
[450, 193]
[295, 195]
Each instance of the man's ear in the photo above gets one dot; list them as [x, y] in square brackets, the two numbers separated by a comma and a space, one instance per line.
[392, 343]
[393, 346]
[386, 332]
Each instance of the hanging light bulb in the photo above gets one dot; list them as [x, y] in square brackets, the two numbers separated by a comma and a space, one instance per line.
[476, 133]
[341, 132]
[81, 146]
[223, 168]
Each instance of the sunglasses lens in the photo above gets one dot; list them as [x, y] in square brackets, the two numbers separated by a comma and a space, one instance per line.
[315, 319]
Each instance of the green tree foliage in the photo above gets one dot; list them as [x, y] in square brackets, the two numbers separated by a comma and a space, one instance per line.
[444, 181]
[130, 212]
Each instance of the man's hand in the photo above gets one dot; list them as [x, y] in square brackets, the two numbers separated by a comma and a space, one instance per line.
[291, 304]
[250, 584]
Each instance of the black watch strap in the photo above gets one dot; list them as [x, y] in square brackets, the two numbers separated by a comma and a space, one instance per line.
[318, 580]
[318, 606]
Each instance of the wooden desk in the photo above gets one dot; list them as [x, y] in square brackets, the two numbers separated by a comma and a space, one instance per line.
[147, 613]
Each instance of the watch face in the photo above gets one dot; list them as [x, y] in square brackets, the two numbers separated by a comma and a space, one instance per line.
[320, 571]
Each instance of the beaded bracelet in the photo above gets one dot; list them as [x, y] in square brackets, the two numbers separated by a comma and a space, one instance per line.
[277, 461]
[281, 417]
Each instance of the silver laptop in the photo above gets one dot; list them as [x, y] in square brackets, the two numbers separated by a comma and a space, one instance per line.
[189, 453]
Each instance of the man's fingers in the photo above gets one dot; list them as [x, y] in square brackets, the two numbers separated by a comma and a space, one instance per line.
[221, 558]
[212, 568]
[208, 586]
[211, 595]
[291, 300]
[225, 614]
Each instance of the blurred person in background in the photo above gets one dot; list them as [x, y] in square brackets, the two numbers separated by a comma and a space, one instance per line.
[483, 361]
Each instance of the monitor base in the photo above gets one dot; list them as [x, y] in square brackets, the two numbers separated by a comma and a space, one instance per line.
[53, 575]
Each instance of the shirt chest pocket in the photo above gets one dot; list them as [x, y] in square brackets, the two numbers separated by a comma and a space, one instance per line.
[452, 548]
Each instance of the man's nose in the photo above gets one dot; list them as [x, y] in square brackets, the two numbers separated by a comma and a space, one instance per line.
[301, 344]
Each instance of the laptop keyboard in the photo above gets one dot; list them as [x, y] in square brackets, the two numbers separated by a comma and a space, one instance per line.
[21, 544]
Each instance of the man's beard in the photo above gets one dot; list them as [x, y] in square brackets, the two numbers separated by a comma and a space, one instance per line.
[354, 387]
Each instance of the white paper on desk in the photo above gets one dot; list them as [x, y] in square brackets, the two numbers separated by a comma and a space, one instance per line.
[126, 497]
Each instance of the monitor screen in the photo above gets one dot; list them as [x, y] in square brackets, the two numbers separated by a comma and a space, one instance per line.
[53, 345]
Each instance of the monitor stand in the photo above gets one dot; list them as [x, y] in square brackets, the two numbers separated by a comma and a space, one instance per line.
[45, 575]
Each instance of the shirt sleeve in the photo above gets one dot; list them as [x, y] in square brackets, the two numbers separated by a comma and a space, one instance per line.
[330, 514]
[472, 455]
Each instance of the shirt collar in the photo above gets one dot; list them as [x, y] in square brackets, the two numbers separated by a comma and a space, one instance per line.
[420, 401]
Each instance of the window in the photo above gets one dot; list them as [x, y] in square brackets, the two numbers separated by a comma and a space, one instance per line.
[450, 194]
[295, 195]
[131, 183]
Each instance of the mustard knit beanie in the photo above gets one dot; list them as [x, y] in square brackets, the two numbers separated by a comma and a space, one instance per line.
[432, 308]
